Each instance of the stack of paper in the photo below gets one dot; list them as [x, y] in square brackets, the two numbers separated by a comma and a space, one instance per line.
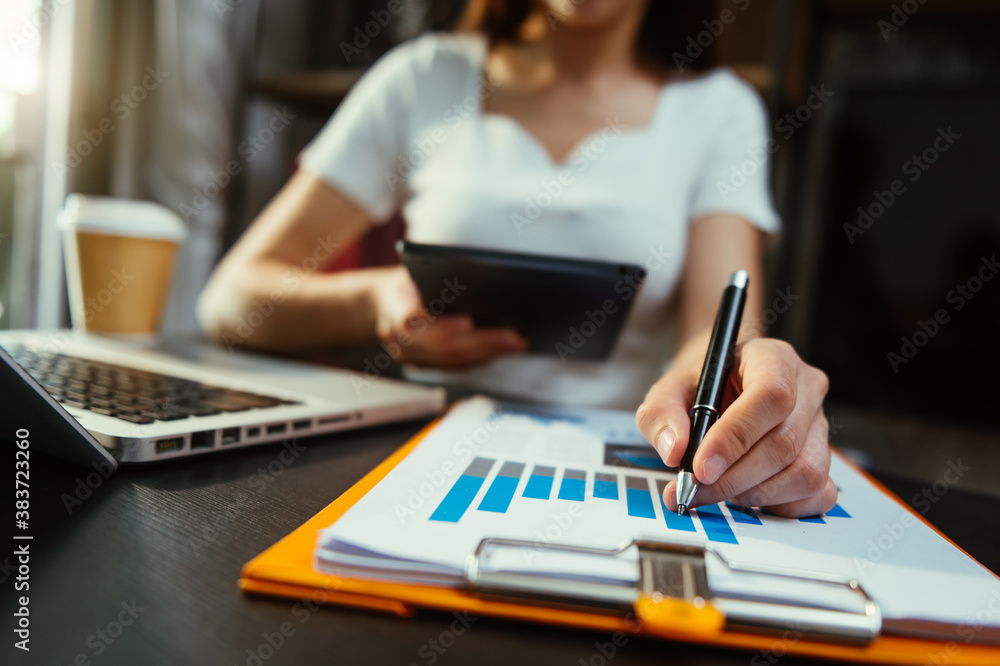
[588, 478]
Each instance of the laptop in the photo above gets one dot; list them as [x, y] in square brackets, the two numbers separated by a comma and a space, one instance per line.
[94, 400]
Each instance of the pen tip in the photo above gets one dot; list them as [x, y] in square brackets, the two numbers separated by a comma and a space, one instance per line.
[681, 508]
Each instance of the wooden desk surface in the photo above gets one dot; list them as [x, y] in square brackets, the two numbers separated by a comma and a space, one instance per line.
[161, 547]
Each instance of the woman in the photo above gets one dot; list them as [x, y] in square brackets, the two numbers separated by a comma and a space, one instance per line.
[463, 133]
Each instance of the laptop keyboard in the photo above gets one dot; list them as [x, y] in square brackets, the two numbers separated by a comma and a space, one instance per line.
[133, 395]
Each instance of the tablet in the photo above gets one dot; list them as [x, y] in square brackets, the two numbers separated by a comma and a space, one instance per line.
[570, 308]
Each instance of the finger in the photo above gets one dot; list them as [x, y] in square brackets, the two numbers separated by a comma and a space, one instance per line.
[474, 348]
[802, 489]
[663, 416]
[810, 506]
[670, 496]
[421, 322]
[804, 477]
[770, 392]
[776, 451]
[405, 299]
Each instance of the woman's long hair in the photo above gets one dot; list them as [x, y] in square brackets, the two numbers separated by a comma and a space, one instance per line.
[668, 37]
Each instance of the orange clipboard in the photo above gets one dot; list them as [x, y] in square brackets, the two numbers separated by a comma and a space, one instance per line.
[286, 569]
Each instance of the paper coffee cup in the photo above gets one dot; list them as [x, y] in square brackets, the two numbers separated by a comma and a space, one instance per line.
[120, 258]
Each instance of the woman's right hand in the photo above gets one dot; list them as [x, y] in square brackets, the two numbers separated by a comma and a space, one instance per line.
[411, 334]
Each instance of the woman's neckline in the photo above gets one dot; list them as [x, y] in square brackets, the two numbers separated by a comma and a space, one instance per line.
[658, 110]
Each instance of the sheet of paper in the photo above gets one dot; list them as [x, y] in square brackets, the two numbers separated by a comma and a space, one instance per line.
[590, 479]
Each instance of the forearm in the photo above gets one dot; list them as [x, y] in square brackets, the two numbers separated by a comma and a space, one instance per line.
[271, 305]
[718, 245]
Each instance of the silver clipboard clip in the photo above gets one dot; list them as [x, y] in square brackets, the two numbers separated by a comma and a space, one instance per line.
[679, 571]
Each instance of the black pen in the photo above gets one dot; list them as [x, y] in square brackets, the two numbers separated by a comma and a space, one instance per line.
[712, 384]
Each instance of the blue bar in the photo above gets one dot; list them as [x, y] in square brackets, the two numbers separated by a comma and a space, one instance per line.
[743, 514]
[716, 526]
[458, 499]
[838, 512]
[502, 489]
[605, 486]
[574, 485]
[684, 523]
[640, 503]
[539, 484]
[813, 519]
[646, 462]
[675, 522]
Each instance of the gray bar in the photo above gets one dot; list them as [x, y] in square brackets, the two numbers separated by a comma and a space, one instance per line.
[544, 470]
[660, 485]
[512, 469]
[638, 483]
[575, 474]
[604, 476]
[480, 467]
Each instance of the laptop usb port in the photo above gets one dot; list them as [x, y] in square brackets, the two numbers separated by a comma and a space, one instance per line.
[301, 425]
[171, 444]
[202, 440]
[230, 436]
[334, 419]
[253, 432]
[275, 428]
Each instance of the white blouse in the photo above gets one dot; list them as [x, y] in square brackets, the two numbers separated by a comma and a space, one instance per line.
[412, 135]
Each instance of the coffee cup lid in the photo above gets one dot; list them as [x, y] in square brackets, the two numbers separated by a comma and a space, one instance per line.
[121, 217]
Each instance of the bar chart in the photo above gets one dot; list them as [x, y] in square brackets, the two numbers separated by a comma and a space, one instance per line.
[719, 522]
[633, 456]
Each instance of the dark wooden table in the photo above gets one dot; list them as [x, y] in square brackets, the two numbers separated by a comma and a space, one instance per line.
[160, 547]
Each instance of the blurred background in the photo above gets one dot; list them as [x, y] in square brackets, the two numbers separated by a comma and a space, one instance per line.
[885, 116]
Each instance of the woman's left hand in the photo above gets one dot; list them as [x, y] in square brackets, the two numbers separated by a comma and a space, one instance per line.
[770, 446]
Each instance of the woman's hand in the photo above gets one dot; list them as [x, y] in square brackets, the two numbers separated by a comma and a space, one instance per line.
[769, 448]
[427, 340]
